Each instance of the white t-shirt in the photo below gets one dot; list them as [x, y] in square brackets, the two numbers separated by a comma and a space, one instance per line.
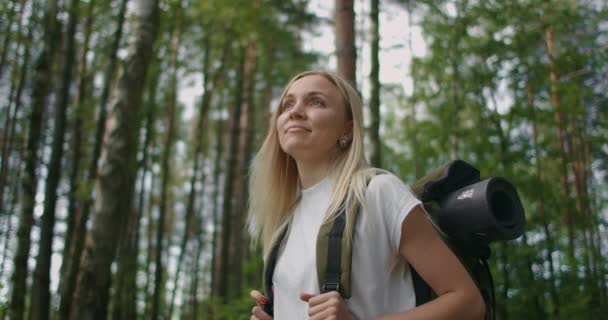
[381, 282]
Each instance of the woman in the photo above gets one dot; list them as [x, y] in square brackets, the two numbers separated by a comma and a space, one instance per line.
[310, 163]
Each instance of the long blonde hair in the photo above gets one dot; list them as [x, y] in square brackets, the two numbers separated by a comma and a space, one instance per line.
[273, 182]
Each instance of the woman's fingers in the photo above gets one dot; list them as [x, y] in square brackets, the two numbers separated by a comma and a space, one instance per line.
[259, 298]
[259, 314]
[326, 305]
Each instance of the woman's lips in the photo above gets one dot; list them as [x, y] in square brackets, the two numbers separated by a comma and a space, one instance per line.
[296, 129]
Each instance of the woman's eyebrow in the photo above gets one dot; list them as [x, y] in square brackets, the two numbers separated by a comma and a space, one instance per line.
[308, 94]
[316, 93]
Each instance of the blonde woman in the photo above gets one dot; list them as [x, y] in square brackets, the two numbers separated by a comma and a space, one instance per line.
[311, 162]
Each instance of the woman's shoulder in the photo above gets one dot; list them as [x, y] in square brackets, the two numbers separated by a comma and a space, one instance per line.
[386, 185]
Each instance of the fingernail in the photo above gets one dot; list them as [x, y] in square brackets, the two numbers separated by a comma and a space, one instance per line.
[263, 300]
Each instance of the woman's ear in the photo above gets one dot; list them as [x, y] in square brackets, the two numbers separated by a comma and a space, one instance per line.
[348, 131]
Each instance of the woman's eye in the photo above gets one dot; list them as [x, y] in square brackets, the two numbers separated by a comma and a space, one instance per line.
[286, 105]
[317, 102]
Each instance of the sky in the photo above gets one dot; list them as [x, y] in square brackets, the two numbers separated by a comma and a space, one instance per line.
[394, 54]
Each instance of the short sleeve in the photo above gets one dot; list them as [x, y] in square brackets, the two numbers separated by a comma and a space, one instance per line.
[391, 200]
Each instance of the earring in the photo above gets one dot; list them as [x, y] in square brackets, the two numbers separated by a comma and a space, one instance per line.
[342, 143]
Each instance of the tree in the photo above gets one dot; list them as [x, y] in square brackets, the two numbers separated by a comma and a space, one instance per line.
[374, 95]
[115, 181]
[40, 89]
[344, 26]
[39, 308]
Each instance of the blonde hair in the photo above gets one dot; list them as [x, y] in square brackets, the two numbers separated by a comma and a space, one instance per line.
[273, 184]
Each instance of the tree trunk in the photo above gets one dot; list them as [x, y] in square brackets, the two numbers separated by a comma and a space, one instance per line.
[125, 293]
[71, 270]
[158, 299]
[14, 98]
[344, 26]
[151, 250]
[410, 124]
[14, 199]
[115, 183]
[244, 150]
[374, 95]
[541, 208]
[125, 289]
[74, 201]
[40, 89]
[200, 145]
[217, 169]
[8, 31]
[195, 283]
[39, 308]
[225, 262]
[561, 140]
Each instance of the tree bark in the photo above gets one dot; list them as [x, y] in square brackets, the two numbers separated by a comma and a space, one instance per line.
[40, 303]
[151, 111]
[346, 54]
[244, 151]
[374, 95]
[10, 16]
[217, 169]
[14, 98]
[115, 183]
[561, 141]
[70, 272]
[227, 211]
[40, 90]
[200, 145]
[540, 201]
[74, 201]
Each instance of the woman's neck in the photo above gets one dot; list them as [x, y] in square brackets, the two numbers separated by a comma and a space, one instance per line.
[310, 173]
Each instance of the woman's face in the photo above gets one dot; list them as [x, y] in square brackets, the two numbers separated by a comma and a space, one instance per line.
[313, 117]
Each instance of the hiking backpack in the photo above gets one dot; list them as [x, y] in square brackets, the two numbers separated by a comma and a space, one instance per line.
[468, 214]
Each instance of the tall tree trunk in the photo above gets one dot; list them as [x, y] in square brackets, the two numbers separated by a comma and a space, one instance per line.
[9, 147]
[151, 114]
[151, 252]
[40, 89]
[228, 199]
[10, 17]
[195, 283]
[244, 151]
[71, 270]
[579, 171]
[125, 289]
[125, 292]
[116, 177]
[541, 208]
[200, 145]
[561, 140]
[344, 26]
[374, 94]
[14, 98]
[39, 308]
[74, 201]
[14, 199]
[159, 269]
[217, 169]
[412, 119]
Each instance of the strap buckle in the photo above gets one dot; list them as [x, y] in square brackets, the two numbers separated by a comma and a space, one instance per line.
[331, 286]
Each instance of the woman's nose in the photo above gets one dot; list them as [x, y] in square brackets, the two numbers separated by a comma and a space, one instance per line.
[297, 111]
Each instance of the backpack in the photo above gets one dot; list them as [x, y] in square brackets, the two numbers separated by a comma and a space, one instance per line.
[468, 214]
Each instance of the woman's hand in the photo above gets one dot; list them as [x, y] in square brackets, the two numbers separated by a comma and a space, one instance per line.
[257, 313]
[328, 305]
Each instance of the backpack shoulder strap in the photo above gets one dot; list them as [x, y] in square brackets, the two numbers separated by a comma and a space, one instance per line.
[334, 254]
[269, 267]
